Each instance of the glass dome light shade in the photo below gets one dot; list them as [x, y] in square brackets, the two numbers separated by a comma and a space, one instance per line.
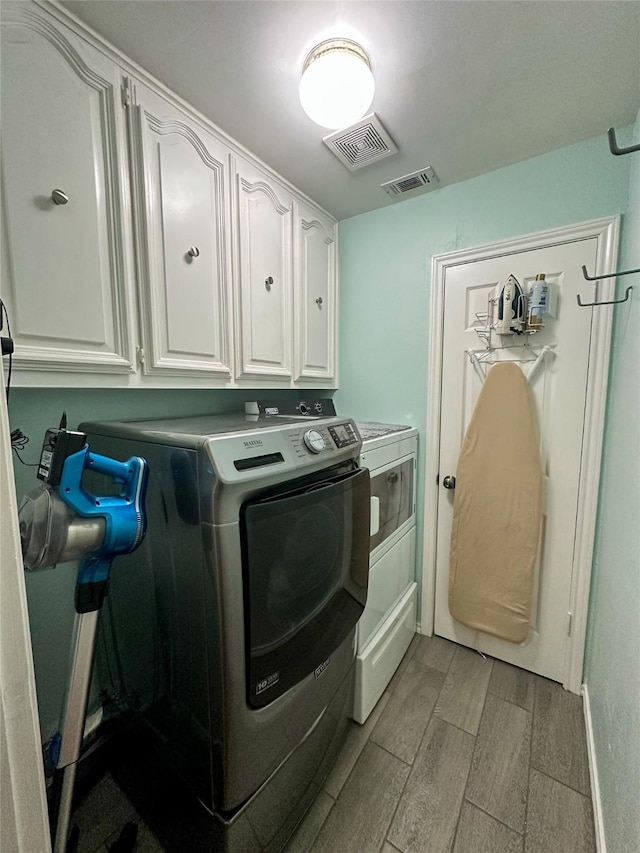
[337, 86]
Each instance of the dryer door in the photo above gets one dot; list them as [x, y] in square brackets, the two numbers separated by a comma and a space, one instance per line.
[305, 556]
[394, 489]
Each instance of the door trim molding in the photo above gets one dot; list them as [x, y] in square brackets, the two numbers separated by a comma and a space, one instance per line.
[23, 799]
[606, 232]
[598, 818]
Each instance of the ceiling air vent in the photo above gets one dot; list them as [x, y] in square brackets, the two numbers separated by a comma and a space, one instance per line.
[421, 180]
[362, 144]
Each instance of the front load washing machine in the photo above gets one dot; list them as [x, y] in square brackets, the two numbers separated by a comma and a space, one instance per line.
[236, 617]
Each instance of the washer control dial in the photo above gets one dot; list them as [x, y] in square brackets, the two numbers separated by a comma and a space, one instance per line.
[314, 441]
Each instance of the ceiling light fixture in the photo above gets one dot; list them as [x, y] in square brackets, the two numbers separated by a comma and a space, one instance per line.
[337, 86]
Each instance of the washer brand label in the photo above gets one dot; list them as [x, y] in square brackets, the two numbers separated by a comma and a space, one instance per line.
[267, 682]
[272, 410]
[254, 442]
[320, 669]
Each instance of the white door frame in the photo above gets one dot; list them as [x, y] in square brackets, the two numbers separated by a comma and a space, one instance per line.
[606, 231]
[24, 824]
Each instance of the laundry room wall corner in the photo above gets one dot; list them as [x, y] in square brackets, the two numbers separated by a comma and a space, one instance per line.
[612, 663]
[385, 263]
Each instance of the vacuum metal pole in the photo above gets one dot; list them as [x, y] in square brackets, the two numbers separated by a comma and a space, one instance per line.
[73, 720]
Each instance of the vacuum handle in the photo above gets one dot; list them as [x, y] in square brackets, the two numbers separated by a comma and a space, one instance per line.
[71, 490]
[125, 520]
[120, 472]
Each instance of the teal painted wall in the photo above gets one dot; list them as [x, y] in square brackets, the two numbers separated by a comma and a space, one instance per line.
[50, 592]
[612, 667]
[385, 267]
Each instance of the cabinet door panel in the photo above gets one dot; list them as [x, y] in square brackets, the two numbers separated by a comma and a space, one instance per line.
[265, 265]
[63, 268]
[314, 306]
[181, 241]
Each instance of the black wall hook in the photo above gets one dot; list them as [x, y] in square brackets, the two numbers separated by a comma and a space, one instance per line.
[607, 302]
[608, 275]
[613, 145]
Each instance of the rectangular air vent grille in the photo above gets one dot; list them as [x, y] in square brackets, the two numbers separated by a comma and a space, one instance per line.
[425, 178]
[362, 144]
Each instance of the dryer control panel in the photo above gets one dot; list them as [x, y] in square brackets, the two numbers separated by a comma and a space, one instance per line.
[343, 435]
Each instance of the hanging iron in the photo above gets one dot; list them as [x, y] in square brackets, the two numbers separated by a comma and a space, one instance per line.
[511, 308]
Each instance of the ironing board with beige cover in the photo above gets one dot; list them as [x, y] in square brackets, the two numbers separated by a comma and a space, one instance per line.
[497, 510]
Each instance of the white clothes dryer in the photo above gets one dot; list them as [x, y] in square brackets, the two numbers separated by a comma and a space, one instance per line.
[388, 623]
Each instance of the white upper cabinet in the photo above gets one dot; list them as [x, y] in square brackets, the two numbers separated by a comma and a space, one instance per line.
[180, 186]
[314, 295]
[63, 260]
[264, 211]
[140, 245]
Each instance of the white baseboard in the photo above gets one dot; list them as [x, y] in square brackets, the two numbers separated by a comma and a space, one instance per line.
[601, 845]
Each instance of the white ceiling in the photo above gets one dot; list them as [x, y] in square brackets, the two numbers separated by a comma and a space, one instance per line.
[465, 87]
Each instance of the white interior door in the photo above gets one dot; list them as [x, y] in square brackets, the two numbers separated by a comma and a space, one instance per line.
[561, 396]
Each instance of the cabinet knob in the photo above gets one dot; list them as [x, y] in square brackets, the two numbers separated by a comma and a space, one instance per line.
[194, 252]
[59, 197]
[268, 282]
[319, 301]
[449, 482]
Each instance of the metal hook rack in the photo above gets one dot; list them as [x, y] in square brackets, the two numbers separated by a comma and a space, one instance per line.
[608, 275]
[485, 331]
[480, 357]
[606, 301]
[613, 145]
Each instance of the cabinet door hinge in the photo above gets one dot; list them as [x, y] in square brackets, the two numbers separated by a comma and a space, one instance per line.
[140, 355]
[570, 615]
[126, 94]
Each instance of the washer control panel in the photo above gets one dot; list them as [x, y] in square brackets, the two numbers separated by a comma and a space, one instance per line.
[314, 441]
[343, 435]
[321, 439]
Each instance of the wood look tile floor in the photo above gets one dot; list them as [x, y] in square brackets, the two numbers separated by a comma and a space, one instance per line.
[462, 754]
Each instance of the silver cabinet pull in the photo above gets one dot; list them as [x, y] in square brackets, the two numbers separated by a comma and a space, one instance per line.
[319, 301]
[194, 252]
[59, 197]
[268, 282]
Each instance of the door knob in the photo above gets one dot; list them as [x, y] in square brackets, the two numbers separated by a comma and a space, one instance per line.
[449, 482]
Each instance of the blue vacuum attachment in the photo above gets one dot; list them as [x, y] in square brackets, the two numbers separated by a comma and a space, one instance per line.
[124, 516]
